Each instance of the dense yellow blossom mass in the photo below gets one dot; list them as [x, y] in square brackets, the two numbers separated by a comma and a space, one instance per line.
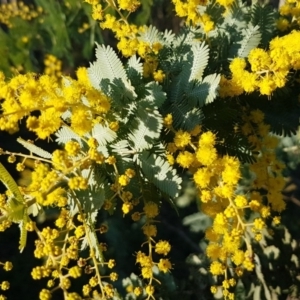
[66, 178]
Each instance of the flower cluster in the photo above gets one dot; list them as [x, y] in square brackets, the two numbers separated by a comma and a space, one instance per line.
[106, 153]
[290, 15]
[131, 39]
[195, 16]
[217, 178]
[24, 94]
[53, 66]
[17, 9]
[269, 68]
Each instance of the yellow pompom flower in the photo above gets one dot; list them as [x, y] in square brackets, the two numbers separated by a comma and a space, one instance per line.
[240, 201]
[259, 224]
[150, 230]
[168, 120]
[216, 268]
[151, 209]
[182, 138]
[185, 159]
[202, 177]
[123, 180]
[206, 155]
[78, 183]
[207, 139]
[162, 247]
[164, 265]
[159, 76]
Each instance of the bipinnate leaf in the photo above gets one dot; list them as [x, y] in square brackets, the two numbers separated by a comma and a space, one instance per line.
[107, 66]
[251, 40]
[146, 128]
[200, 60]
[158, 171]
[34, 149]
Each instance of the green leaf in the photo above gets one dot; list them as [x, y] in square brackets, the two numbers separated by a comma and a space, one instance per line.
[34, 149]
[10, 184]
[158, 171]
[150, 35]
[251, 40]
[145, 127]
[23, 233]
[197, 92]
[265, 17]
[135, 63]
[103, 134]
[154, 94]
[200, 60]
[16, 210]
[66, 134]
[213, 81]
[107, 66]
[90, 239]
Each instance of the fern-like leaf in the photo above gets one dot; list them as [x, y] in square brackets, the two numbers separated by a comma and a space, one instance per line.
[158, 171]
[146, 128]
[252, 37]
[200, 60]
[154, 94]
[103, 134]
[10, 184]
[107, 66]
[135, 63]
[34, 149]
[264, 16]
[213, 81]
[66, 134]
[168, 37]
[197, 92]
[150, 35]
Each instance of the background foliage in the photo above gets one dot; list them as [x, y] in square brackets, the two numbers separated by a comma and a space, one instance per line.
[57, 38]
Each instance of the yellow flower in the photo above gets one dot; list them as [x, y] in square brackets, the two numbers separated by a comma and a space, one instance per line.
[168, 120]
[225, 3]
[185, 159]
[150, 289]
[150, 230]
[216, 268]
[267, 86]
[147, 272]
[240, 201]
[202, 177]
[159, 76]
[162, 247]
[206, 155]
[113, 276]
[78, 182]
[205, 195]
[207, 139]
[109, 22]
[75, 272]
[238, 257]
[259, 59]
[151, 209]
[164, 265]
[123, 180]
[213, 251]
[130, 5]
[259, 224]
[276, 220]
[182, 138]
[127, 207]
[237, 66]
